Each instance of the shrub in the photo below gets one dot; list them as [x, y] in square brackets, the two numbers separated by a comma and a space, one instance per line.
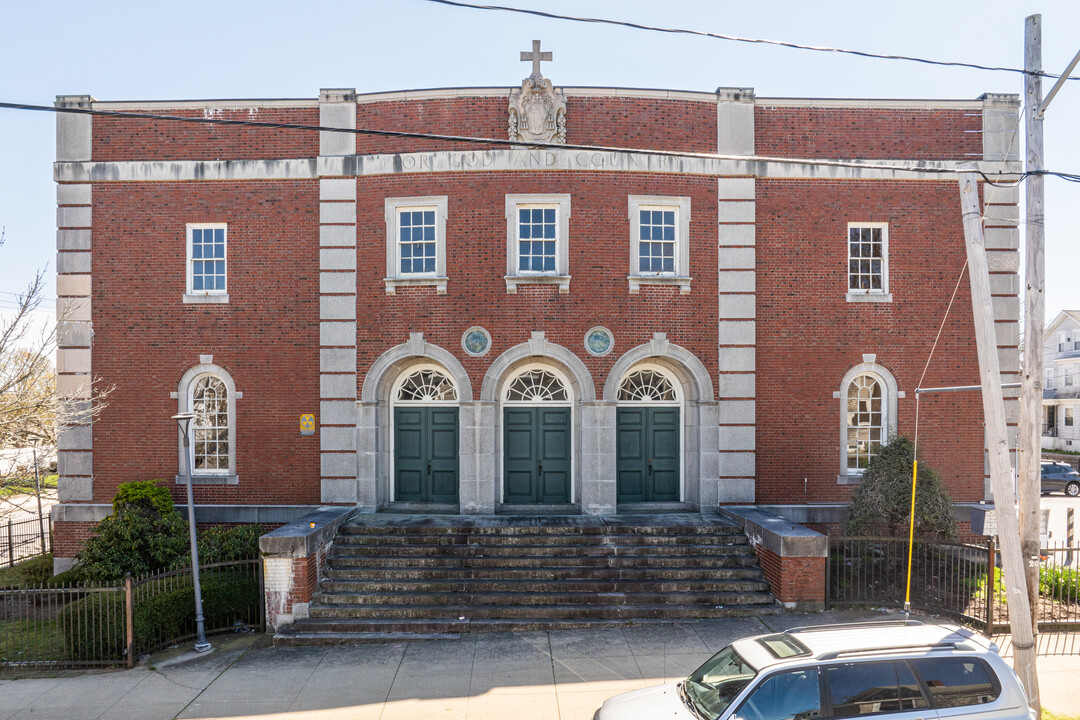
[882, 501]
[68, 578]
[93, 626]
[221, 544]
[144, 534]
[94, 629]
[146, 495]
[36, 571]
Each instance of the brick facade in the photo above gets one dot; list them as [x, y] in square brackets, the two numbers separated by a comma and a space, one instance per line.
[757, 341]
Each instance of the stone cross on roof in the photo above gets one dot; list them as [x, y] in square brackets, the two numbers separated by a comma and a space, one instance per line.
[536, 56]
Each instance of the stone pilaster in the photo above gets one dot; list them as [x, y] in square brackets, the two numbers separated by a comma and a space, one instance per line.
[338, 431]
[736, 332]
[1001, 134]
[74, 224]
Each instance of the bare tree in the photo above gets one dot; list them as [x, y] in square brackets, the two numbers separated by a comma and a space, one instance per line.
[31, 412]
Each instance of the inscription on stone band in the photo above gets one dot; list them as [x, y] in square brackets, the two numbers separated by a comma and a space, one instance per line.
[541, 159]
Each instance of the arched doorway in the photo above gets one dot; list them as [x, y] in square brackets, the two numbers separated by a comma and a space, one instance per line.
[425, 437]
[537, 437]
[648, 437]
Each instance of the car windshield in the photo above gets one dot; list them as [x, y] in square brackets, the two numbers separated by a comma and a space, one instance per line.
[712, 687]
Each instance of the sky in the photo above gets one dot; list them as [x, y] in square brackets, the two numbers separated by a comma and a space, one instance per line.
[270, 49]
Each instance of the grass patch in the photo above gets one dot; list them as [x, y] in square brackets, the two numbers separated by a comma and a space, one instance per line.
[33, 571]
[1051, 715]
[27, 639]
[25, 486]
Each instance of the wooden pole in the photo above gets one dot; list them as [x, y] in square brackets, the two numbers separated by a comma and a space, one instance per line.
[1030, 441]
[129, 620]
[997, 441]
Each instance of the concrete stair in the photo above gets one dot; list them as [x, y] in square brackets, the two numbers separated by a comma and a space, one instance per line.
[390, 578]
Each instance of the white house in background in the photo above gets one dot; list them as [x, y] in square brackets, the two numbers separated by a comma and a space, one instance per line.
[1061, 390]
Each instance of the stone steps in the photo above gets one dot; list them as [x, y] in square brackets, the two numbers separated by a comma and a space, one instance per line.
[335, 595]
[583, 563]
[550, 573]
[615, 609]
[438, 576]
[563, 551]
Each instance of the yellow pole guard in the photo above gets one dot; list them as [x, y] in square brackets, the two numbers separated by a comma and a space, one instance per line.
[911, 534]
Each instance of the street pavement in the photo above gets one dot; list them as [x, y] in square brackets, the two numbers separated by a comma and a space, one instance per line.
[556, 675]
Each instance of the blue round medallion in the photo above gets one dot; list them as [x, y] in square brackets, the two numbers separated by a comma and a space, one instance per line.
[599, 341]
[476, 341]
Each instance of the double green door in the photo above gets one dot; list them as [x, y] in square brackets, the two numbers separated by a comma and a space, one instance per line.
[536, 455]
[647, 451]
[426, 454]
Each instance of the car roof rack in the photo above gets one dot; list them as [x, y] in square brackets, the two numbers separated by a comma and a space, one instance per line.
[854, 625]
[894, 648]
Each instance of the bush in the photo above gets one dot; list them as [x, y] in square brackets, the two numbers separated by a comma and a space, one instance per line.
[36, 571]
[93, 626]
[882, 501]
[144, 534]
[221, 544]
[68, 578]
[145, 495]
[94, 629]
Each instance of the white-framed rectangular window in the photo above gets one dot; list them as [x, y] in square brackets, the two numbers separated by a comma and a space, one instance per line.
[1049, 377]
[207, 256]
[659, 241]
[537, 237]
[868, 262]
[1068, 417]
[416, 242]
[1068, 377]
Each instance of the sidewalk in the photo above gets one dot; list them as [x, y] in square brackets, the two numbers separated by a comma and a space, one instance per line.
[561, 675]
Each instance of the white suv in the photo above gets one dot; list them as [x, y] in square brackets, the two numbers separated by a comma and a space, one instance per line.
[900, 670]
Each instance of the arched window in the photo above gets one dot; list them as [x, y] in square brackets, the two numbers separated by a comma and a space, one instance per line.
[866, 427]
[646, 386]
[426, 385]
[536, 386]
[208, 391]
[210, 428]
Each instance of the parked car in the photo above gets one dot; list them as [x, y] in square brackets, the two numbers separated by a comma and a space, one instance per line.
[1059, 477]
[895, 670]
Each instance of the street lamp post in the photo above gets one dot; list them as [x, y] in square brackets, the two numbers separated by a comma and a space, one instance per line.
[183, 421]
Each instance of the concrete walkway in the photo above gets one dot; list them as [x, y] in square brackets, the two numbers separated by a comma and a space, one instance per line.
[562, 675]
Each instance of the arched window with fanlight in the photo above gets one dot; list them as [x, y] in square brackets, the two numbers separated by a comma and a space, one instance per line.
[868, 406]
[866, 431]
[210, 427]
[209, 393]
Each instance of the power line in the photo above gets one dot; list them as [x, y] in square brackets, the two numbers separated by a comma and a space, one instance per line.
[1012, 178]
[736, 38]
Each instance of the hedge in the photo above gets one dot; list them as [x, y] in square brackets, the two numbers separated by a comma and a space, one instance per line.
[93, 626]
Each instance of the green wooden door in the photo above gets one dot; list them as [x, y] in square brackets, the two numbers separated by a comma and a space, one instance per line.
[647, 454]
[536, 455]
[426, 454]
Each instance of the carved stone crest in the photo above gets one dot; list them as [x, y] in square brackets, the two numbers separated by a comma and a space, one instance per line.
[537, 110]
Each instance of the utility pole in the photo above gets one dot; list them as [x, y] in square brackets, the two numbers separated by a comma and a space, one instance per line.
[997, 441]
[1028, 472]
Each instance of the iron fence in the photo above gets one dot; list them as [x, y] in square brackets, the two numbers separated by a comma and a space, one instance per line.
[952, 579]
[94, 626]
[25, 539]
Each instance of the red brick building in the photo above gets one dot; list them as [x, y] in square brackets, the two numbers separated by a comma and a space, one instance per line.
[679, 309]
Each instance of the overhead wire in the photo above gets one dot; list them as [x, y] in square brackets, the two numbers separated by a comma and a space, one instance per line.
[736, 38]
